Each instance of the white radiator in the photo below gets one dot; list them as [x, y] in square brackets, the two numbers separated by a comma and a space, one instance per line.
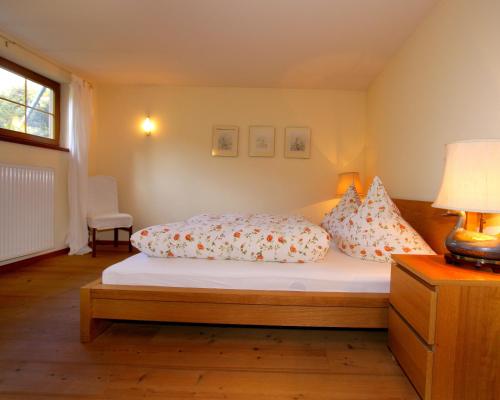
[26, 210]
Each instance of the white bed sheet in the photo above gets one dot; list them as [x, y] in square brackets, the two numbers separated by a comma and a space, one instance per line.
[336, 273]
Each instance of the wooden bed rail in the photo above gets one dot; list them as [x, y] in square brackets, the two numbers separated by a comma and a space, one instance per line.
[102, 303]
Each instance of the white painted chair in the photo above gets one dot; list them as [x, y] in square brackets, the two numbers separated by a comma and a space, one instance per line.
[103, 214]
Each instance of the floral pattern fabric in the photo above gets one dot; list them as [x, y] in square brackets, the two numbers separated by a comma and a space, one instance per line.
[376, 229]
[250, 237]
[333, 221]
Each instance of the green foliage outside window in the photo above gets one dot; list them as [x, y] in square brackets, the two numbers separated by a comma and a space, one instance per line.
[26, 106]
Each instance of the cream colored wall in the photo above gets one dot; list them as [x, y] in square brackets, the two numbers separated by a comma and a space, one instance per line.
[442, 86]
[171, 175]
[12, 153]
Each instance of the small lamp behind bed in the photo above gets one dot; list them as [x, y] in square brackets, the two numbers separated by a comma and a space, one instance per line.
[347, 179]
[471, 183]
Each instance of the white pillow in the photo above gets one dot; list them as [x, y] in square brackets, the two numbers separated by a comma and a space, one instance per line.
[376, 229]
[349, 203]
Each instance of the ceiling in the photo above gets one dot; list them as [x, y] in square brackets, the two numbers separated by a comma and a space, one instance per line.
[335, 44]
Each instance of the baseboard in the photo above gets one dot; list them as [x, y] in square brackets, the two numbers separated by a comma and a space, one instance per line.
[31, 260]
[110, 242]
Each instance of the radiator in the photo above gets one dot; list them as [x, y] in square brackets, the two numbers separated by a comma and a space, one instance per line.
[26, 210]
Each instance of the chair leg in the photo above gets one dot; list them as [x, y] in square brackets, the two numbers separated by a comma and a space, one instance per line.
[94, 245]
[115, 239]
[129, 242]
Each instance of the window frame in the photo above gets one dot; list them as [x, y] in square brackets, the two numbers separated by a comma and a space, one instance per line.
[9, 135]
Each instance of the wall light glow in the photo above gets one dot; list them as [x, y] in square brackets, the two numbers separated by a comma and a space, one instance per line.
[148, 126]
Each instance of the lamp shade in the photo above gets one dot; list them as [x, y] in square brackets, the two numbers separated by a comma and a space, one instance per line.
[347, 179]
[471, 178]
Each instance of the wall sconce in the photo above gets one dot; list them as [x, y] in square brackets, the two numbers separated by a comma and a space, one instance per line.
[148, 126]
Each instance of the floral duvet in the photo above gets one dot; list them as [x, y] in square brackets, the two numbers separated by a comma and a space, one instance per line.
[249, 237]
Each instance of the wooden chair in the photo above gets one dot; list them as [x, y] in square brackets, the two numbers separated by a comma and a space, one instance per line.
[103, 214]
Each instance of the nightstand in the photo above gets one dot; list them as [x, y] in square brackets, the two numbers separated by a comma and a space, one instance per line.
[444, 328]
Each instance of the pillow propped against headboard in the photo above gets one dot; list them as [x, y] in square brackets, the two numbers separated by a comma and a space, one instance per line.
[376, 229]
[333, 220]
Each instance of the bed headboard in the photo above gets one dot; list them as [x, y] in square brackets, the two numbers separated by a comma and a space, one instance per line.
[431, 223]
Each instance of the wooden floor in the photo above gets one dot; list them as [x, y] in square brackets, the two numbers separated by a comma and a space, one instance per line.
[41, 356]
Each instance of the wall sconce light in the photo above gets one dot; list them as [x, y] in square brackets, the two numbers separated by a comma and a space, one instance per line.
[148, 126]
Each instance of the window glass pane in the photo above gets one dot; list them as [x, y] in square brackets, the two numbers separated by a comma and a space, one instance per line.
[40, 124]
[11, 116]
[11, 86]
[40, 97]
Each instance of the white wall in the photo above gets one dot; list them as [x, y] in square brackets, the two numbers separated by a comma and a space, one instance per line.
[442, 86]
[172, 175]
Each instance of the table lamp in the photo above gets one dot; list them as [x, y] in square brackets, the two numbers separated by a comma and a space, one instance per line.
[471, 183]
[347, 179]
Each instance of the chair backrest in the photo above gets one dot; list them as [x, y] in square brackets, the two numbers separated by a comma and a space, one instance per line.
[102, 195]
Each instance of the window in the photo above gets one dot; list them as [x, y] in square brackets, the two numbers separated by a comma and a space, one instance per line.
[29, 106]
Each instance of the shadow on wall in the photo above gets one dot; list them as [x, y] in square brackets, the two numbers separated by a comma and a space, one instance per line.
[349, 161]
[316, 212]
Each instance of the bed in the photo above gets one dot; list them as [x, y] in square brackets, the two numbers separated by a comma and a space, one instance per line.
[249, 293]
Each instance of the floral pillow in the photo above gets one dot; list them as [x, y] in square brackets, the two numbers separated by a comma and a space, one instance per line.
[349, 203]
[376, 229]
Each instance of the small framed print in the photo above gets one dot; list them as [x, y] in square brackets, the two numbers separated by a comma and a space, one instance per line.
[297, 142]
[261, 141]
[225, 141]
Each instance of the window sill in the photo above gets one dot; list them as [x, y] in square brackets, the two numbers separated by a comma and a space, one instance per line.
[28, 142]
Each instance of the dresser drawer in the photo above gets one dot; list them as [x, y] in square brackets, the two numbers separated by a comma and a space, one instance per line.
[412, 354]
[414, 301]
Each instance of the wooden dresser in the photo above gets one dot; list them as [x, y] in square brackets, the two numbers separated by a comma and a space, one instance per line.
[444, 328]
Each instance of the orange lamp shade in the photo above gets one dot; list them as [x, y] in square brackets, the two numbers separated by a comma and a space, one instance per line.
[347, 179]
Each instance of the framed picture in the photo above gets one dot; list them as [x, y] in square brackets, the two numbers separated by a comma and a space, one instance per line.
[297, 142]
[261, 141]
[225, 141]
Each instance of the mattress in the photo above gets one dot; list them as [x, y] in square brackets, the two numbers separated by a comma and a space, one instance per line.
[336, 273]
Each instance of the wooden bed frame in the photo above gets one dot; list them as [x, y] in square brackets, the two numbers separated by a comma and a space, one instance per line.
[100, 304]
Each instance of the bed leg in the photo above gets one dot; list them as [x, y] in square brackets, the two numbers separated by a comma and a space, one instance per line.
[129, 242]
[90, 327]
[94, 244]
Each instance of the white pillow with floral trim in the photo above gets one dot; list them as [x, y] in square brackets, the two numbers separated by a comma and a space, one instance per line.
[376, 229]
[333, 220]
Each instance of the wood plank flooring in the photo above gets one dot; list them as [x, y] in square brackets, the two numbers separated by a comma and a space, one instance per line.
[41, 356]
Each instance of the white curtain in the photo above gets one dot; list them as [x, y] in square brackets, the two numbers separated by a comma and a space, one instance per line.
[79, 120]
